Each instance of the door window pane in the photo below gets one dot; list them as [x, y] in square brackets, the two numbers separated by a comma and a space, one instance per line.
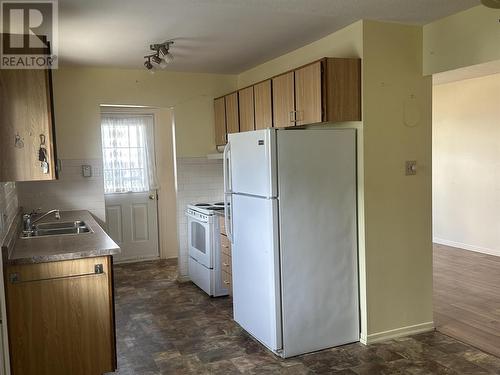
[124, 153]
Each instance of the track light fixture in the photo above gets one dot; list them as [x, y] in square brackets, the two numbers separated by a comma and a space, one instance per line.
[162, 56]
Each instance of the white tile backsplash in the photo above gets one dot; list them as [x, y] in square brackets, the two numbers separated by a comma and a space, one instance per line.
[8, 206]
[71, 192]
[198, 180]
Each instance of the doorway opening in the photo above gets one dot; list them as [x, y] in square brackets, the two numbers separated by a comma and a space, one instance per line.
[130, 183]
[466, 205]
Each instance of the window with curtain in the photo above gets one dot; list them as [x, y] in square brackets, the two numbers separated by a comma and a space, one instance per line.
[128, 153]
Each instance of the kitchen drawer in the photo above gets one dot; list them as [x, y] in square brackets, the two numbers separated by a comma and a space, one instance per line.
[222, 225]
[227, 280]
[225, 245]
[226, 263]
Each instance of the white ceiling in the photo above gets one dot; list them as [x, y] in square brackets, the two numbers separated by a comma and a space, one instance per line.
[219, 36]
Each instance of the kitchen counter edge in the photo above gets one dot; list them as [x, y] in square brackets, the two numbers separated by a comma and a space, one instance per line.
[60, 248]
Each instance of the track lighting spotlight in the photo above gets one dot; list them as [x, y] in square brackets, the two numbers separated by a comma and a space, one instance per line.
[148, 64]
[156, 59]
[162, 50]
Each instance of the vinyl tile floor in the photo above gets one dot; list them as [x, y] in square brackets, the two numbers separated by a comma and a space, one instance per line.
[167, 327]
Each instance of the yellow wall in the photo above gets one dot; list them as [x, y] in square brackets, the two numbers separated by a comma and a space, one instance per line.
[167, 205]
[78, 92]
[397, 127]
[467, 38]
[394, 210]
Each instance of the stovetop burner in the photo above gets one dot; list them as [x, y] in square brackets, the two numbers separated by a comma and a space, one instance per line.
[207, 207]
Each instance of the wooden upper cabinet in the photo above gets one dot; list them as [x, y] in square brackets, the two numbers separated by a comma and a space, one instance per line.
[26, 125]
[308, 94]
[246, 109]
[284, 100]
[232, 113]
[263, 105]
[343, 89]
[327, 90]
[220, 121]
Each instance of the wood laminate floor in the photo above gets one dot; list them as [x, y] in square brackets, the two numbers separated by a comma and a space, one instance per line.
[164, 327]
[467, 297]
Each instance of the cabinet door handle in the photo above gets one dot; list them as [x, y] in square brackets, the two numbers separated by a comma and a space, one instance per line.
[226, 282]
[15, 278]
[293, 117]
[225, 264]
[300, 116]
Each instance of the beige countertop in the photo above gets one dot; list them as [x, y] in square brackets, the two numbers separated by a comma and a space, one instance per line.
[64, 247]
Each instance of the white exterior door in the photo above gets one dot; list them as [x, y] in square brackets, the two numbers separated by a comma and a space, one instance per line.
[252, 163]
[131, 221]
[130, 197]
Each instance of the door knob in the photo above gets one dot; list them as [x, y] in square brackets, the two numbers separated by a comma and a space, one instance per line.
[152, 196]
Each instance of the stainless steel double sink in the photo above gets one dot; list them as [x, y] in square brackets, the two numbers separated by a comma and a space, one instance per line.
[58, 229]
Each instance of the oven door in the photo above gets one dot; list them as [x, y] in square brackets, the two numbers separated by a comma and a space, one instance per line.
[199, 241]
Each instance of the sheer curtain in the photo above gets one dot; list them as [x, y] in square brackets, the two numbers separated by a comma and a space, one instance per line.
[128, 153]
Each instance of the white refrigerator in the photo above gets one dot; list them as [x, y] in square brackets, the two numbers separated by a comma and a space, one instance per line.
[291, 217]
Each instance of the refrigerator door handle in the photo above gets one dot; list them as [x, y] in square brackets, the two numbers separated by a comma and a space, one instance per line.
[228, 219]
[227, 191]
[227, 168]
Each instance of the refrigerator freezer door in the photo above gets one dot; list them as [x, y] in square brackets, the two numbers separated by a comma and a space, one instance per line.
[255, 261]
[318, 239]
[252, 163]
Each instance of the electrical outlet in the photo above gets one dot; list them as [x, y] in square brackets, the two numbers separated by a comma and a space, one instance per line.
[411, 167]
[86, 170]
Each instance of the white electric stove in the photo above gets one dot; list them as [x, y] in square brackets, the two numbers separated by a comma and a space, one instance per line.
[204, 248]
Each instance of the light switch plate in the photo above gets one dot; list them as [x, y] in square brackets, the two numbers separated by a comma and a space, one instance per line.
[86, 170]
[411, 167]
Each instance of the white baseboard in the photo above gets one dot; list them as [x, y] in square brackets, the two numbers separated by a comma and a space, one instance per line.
[396, 333]
[464, 246]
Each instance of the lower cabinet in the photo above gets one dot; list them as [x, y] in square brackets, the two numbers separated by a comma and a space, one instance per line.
[226, 265]
[61, 317]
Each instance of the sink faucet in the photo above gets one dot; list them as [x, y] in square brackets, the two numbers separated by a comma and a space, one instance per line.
[28, 221]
